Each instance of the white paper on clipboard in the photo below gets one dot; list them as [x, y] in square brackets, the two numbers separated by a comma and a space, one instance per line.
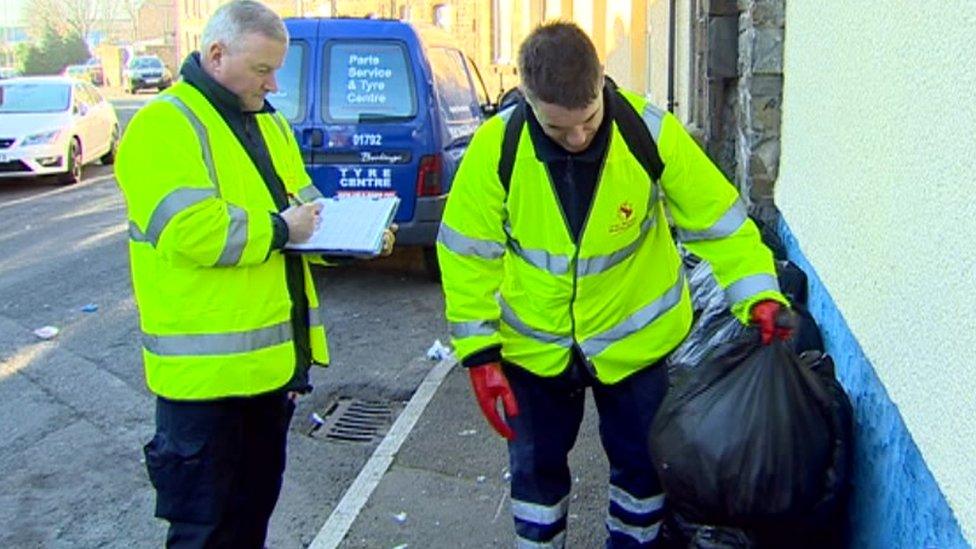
[351, 225]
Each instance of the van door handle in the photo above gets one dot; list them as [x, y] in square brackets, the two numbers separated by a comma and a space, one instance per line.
[314, 137]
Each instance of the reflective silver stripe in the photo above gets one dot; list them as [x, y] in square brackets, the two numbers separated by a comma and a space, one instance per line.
[309, 193]
[474, 328]
[236, 237]
[506, 113]
[635, 322]
[173, 203]
[749, 286]
[135, 234]
[730, 222]
[315, 317]
[468, 246]
[508, 315]
[541, 259]
[217, 344]
[635, 505]
[557, 542]
[598, 264]
[653, 118]
[200, 130]
[643, 534]
[536, 513]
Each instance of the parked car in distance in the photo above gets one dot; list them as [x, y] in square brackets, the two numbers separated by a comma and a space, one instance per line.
[54, 125]
[382, 107]
[146, 72]
[95, 71]
[77, 71]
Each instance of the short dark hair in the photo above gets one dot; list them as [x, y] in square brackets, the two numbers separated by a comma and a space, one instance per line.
[558, 64]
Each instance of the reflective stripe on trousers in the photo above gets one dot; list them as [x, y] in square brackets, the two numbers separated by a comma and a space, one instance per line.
[550, 415]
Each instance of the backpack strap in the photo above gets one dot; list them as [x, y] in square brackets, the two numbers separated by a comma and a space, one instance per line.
[513, 131]
[636, 134]
[633, 128]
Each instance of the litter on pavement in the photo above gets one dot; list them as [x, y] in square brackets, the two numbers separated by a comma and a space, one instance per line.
[316, 422]
[438, 351]
[46, 332]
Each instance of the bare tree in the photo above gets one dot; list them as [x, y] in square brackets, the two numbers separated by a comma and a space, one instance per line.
[81, 15]
[131, 8]
[64, 17]
[44, 17]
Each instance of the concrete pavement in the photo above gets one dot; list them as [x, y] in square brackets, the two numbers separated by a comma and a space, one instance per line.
[447, 485]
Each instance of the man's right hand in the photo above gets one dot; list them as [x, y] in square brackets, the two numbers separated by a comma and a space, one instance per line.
[302, 221]
[489, 385]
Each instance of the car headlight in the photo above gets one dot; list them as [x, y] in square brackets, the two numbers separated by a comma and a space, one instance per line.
[41, 138]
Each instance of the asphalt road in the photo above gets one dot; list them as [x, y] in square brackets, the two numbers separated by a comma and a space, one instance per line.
[74, 410]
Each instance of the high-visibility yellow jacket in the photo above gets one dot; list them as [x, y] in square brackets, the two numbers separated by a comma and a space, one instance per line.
[513, 275]
[212, 295]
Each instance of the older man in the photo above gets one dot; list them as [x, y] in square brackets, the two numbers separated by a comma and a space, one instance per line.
[230, 324]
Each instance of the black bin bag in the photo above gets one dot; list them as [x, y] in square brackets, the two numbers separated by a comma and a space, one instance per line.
[745, 439]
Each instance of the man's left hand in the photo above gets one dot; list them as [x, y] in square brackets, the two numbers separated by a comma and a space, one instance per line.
[389, 238]
[773, 319]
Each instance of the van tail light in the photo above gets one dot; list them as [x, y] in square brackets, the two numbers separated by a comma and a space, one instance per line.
[429, 176]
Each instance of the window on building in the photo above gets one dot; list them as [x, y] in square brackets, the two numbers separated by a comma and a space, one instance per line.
[552, 9]
[443, 17]
[501, 15]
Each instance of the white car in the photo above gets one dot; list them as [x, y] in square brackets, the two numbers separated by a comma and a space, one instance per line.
[54, 125]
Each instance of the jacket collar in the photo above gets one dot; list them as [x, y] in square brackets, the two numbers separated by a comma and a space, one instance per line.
[223, 99]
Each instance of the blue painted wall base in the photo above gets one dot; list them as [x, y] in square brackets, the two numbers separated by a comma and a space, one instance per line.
[896, 501]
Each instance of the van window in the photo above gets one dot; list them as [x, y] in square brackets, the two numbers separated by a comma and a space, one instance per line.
[453, 85]
[290, 97]
[368, 80]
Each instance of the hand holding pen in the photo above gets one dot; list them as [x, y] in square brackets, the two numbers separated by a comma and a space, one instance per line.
[302, 218]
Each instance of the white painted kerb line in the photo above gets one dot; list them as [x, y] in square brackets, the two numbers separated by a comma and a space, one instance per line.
[355, 498]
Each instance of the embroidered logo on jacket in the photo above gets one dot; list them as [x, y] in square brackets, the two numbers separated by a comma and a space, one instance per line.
[625, 216]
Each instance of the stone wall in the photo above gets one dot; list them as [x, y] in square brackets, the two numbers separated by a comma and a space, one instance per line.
[759, 105]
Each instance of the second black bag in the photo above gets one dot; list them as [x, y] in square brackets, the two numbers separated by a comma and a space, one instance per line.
[744, 440]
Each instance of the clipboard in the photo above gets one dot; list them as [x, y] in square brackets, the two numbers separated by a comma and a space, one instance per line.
[351, 226]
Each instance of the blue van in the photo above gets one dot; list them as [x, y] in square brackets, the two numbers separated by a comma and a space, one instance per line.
[382, 107]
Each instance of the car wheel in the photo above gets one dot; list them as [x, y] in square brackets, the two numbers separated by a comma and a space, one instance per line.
[73, 175]
[109, 157]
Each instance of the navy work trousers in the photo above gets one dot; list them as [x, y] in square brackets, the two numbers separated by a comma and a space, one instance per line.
[217, 468]
[550, 414]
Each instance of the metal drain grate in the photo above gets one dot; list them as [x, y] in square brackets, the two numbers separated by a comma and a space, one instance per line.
[354, 420]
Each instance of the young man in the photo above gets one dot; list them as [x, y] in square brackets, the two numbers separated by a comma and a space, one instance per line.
[560, 273]
[230, 324]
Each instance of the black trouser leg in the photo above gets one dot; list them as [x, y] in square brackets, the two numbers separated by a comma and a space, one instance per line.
[550, 412]
[264, 445]
[217, 468]
[627, 409]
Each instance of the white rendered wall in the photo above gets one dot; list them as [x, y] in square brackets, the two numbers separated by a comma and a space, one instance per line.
[878, 184]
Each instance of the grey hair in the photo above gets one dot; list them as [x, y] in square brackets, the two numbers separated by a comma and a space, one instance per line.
[238, 18]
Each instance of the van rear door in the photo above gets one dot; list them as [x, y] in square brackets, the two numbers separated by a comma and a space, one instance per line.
[373, 108]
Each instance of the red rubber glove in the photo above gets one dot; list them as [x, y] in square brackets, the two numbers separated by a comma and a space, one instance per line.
[774, 320]
[489, 385]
